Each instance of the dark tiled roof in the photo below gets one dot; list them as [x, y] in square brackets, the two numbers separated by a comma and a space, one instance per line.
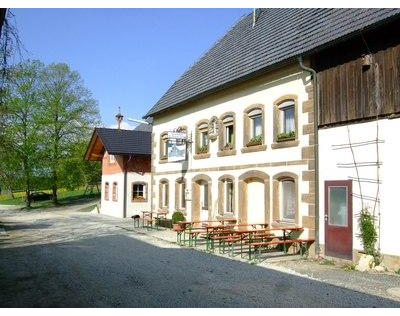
[279, 36]
[123, 141]
[145, 127]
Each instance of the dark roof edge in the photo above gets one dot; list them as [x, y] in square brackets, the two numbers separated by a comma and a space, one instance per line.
[271, 67]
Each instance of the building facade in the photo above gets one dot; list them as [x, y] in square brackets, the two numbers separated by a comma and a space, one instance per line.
[254, 164]
[126, 166]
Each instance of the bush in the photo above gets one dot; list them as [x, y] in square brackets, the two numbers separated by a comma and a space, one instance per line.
[177, 217]
[368, 232]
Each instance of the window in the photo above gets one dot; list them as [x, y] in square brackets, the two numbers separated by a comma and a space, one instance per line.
[180, 199]
[228, 196]
[111, 159]
[139, 193]
[285, 117]
[204, 195]
[202, 139]
[182, 195]
[227, 134]
[115, 192]
[163, 146]
[164, 194]
[106, 191]
[338, 211]
[253, 133]
[288, 200]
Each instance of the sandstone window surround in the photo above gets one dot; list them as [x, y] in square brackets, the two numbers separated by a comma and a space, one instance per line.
[180, 198]
[202, 143]
[286, 131]
[163, 147]
[286, 198]
[226, 196]
[227, 135]
[115, 192]
[253, 128]
[163, 196]
[139, 192]
[106, 191]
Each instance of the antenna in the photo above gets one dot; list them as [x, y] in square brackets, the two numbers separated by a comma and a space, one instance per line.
[119, 118]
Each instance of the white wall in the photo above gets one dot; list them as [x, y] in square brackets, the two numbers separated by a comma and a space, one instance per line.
[116, 208]
[389, 131]
[264, 91]
[111, 207]
[136, 208]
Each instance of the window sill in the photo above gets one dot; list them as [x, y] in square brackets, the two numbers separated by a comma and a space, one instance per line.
[252, 149]
[285, 143]
[138, 201]
[201, 156]
[224, 153]
[283, 223]
[161, 161]
[225, 216]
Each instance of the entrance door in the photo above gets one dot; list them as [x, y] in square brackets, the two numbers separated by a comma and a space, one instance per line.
[255, 202]
[339, 219]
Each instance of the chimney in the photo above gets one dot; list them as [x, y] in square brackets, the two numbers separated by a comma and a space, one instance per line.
[119, 118]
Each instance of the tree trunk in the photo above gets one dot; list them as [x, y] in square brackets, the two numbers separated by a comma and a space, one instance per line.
[54, 188]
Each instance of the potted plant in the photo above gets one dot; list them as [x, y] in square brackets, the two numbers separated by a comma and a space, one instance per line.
[255, 141]
[286, 136]
[177, 217]
[228, 146]
[203, 149]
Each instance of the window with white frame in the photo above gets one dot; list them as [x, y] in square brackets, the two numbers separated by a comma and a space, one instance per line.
[204, 195]
[115, 192]
[164, 194]
[106, 191]
[287, 116]
[139, 193]
[228, 123]
[288, 199]
[228, 196]
[256, 121]
[182, 198]
[203, 141]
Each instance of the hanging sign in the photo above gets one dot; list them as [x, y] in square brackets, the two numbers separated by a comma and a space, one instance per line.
[176, 146]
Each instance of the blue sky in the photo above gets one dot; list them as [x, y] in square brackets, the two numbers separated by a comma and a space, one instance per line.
[126, 57]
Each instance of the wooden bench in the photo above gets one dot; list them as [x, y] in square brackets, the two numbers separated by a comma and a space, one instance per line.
[284, 242]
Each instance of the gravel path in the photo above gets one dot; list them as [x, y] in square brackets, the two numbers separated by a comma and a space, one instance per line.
[66, 258]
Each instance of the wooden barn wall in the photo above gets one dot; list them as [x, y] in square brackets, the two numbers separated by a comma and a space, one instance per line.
[350, 92]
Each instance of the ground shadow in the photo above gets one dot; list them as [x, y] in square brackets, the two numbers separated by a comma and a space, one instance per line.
[120, 271]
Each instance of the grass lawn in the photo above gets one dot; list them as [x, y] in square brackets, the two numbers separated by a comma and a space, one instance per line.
[64, 198]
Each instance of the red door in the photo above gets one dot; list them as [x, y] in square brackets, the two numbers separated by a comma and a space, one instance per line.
[339, 219]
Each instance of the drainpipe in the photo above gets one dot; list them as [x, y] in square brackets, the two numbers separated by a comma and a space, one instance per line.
[316, 179]
[125, 186]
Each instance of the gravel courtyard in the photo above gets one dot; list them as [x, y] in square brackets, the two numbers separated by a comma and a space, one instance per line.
[67, 258]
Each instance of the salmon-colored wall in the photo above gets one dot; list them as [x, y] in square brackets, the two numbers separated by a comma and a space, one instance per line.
[135, 164]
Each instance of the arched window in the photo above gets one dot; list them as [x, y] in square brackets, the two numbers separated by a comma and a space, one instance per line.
[226, 198]
[253, 128]
[202, 140]
[227, 140]
[164, 194]
[180, 198]
[106, 191]
[285, 119]
[285, 194]
[288, 199]
[115, 192]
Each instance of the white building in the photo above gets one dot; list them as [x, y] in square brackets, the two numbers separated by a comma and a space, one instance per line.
[126, 165]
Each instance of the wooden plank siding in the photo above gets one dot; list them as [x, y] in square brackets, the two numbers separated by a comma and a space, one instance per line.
[349, 92]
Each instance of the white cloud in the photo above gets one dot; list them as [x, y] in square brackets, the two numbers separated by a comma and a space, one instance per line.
[124, 125]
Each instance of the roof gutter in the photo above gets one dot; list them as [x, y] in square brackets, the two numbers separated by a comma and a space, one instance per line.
[316, 156]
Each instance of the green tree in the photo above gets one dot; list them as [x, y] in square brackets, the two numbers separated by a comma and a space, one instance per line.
[20, 139]
[68, 115]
